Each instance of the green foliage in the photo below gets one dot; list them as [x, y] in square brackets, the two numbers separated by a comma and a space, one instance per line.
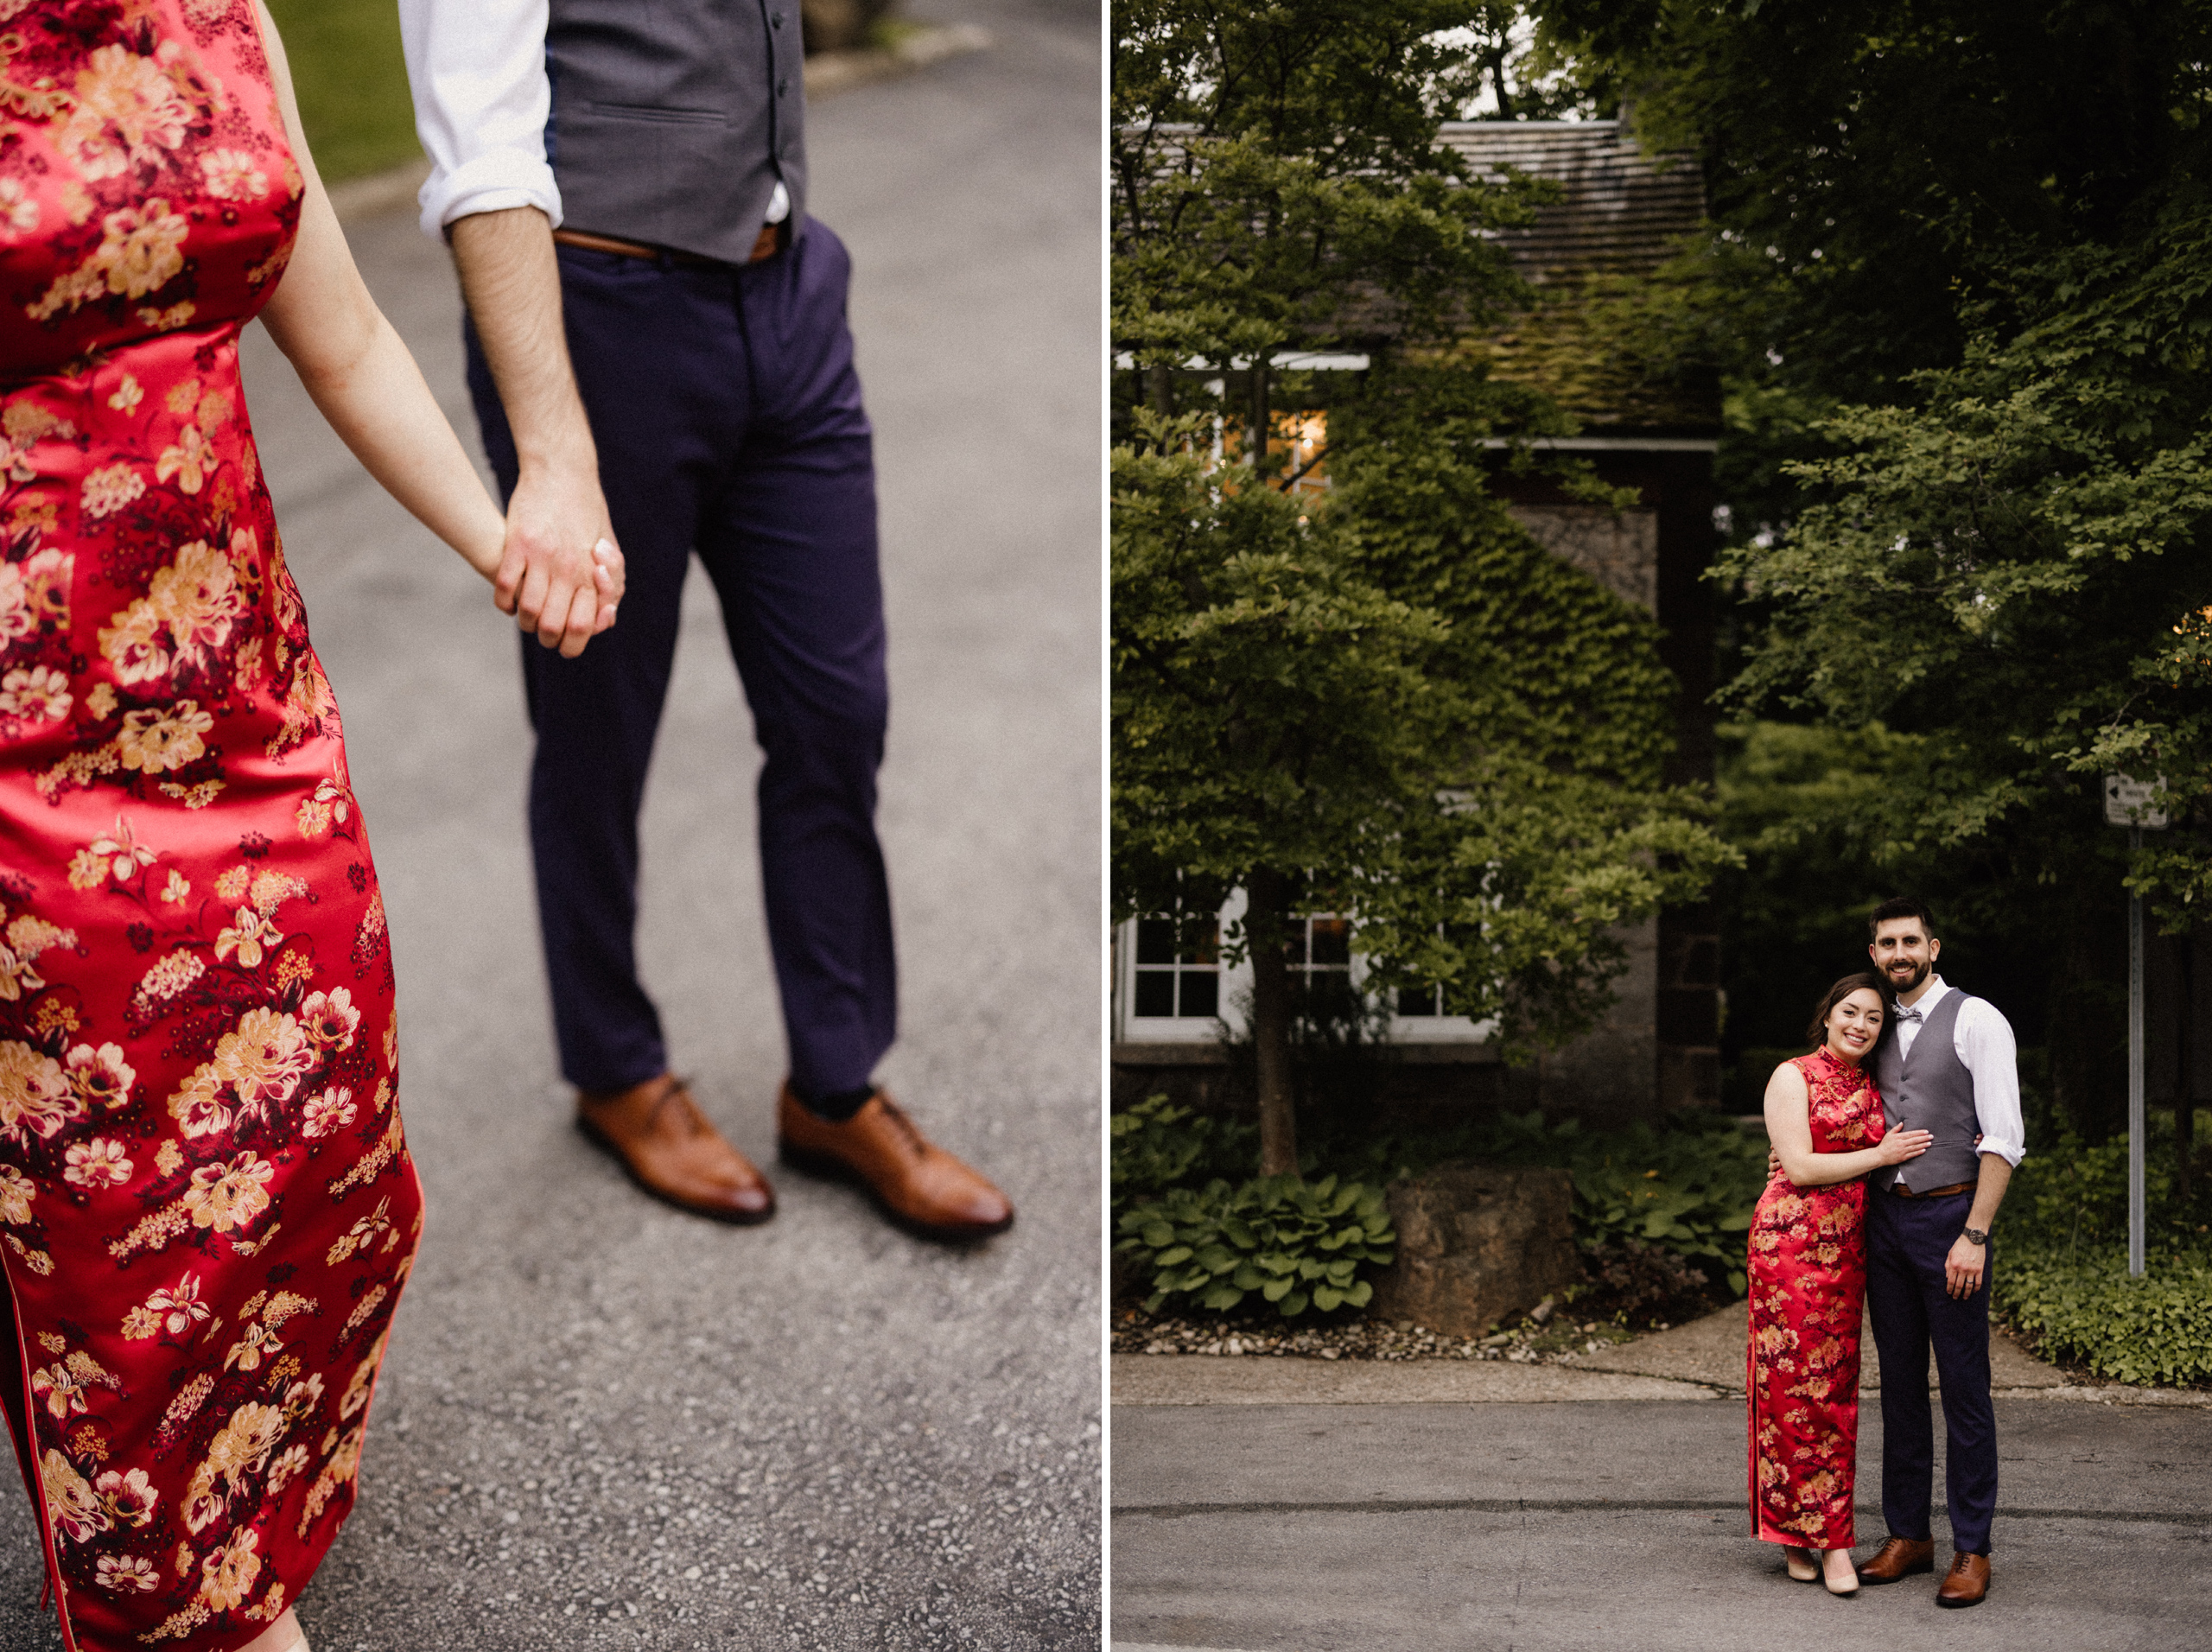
[1270, 163]
[2015, 568]
[1157, 1145]
[2153, 1329]
[1294, 1243]
[2060, 1268]
[1690, 1192]
[351, 81]
[1689, 1188]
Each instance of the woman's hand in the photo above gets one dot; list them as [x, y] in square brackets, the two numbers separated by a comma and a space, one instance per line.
[1899, 1146]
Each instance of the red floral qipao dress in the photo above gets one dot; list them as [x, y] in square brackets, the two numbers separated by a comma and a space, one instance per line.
[1807, 1276]
[207, 1208]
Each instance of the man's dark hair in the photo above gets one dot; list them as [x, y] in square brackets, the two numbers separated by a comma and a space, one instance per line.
[1901, 906]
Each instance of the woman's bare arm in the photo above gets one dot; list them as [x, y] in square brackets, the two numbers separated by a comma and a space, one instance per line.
[361, 377]
[1790, 1128]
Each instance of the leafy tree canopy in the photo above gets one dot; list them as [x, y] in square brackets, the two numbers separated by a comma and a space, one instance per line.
[1387, 701]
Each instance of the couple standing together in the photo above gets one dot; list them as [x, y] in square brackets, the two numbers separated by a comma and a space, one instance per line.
[207, 1210]
[1892, 1144]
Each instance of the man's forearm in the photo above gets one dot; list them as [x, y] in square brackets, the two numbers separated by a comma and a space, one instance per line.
[1996, 1175]
[513, 286]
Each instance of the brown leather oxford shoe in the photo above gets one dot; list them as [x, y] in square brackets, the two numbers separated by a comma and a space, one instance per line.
[1900, 1557]
[658, 1134]
[919, 1185]
[1965, 1582]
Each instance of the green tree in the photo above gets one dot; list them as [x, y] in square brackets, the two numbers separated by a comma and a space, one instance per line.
[1388, 703]
[1958, 251]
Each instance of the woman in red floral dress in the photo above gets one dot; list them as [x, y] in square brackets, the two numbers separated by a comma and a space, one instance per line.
[1808, 1273]
[207, 1206]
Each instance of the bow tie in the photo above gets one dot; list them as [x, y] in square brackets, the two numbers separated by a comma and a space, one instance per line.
[1902, 1014]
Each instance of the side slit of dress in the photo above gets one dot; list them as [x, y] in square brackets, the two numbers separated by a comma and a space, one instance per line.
[15, 1398]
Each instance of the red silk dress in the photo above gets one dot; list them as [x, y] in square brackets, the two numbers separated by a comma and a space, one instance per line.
[1808, 1274]
[206, 1207]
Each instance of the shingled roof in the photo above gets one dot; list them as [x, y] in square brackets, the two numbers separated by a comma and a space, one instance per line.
[1623, 211]
[1622, 215]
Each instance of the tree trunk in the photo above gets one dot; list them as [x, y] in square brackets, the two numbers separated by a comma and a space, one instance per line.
[1268, 893]
[1160, 386]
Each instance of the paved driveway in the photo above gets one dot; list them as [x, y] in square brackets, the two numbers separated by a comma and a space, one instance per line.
[1573, 1525]
[604, 1424]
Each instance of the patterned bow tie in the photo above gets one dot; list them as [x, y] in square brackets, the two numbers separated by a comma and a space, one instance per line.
[1904, 1014]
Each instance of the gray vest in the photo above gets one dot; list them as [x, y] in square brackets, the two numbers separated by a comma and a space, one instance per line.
[1930, 1089]
[673, 119]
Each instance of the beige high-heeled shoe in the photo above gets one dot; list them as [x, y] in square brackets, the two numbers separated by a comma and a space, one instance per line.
[1802, 1566]
[1840, 1590]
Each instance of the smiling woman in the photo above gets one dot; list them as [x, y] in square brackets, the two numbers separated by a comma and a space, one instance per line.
[352, 83]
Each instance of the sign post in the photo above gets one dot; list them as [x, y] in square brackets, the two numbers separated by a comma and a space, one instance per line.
[2134, 805]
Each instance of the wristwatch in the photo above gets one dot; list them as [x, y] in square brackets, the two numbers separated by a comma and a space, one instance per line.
[1977, 1236]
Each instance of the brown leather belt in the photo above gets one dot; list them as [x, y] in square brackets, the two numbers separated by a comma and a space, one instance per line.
[766, 244]
[1904, 1192]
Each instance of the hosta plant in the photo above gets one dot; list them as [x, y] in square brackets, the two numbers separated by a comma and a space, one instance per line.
[1292, 1243]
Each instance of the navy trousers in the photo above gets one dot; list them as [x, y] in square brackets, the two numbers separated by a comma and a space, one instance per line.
[728, 414]
[1907, 1241]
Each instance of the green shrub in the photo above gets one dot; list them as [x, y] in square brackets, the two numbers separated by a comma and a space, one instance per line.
[1157, 1145]
[2156, 1329]
[1295, 1243]
[2060, 1268]
[1690, 1193]
[1689, 1187]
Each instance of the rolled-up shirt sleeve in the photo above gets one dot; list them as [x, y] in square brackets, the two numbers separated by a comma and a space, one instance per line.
[1983, 1038]
[477, 70]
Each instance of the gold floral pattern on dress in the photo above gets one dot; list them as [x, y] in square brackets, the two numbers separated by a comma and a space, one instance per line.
[1806, 1277]
[207, 1209]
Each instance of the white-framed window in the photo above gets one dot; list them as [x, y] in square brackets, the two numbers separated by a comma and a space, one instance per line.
[1165, 993]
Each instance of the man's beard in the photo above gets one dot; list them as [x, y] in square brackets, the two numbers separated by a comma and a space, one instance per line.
[1919, 974]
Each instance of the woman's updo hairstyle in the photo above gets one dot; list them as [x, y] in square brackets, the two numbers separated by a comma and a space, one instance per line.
[1865, 980]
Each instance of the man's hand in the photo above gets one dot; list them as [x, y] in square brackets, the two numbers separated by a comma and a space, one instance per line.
[1964, 1267]
[560, 574]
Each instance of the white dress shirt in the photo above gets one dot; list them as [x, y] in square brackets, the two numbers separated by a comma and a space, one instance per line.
[1982, 1039]
[477, 70]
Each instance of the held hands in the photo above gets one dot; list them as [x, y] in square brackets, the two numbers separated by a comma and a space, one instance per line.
[1899, 1146]
[560, 574]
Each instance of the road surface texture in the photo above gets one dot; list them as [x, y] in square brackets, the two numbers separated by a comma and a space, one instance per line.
[607, 1424]
[1547, 1509]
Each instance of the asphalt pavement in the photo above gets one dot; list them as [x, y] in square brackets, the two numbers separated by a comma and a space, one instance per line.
[604, 1423]
[1572, 1524]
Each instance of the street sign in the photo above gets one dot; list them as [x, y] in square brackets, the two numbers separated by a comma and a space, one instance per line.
[2135, 802]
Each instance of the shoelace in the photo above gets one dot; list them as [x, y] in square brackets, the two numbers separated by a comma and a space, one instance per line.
[915, 1143]
[693, 1121]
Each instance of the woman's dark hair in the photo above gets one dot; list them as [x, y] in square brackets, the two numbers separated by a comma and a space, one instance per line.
[1866, 980]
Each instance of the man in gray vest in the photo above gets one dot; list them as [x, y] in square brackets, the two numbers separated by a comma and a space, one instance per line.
[1948, 1067]
[659, 355]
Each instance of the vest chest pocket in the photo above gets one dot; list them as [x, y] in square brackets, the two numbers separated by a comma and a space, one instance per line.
[665, 116]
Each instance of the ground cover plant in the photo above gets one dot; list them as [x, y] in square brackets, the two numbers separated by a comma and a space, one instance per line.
[1660, 1213]
[2062, 1264]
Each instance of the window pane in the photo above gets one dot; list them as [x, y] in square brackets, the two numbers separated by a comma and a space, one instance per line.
[1417, 1001]
[1155, 992]
[1156, 941]
[1201, 992]
[1205, 944]
[1331, 941]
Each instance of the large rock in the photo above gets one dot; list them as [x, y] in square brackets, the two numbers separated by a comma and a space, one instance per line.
[1475, 1243]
